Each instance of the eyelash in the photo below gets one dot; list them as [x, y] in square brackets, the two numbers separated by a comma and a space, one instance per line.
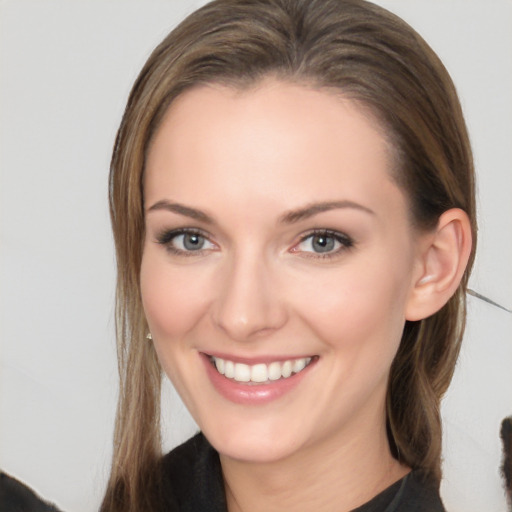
[166, 238]
[344, 240]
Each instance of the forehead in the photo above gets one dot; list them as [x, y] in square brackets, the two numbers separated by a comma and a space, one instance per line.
[276, 140]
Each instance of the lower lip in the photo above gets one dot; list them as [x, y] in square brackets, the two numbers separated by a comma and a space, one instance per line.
[253, 394]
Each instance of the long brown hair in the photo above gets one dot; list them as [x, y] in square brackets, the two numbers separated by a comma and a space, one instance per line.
[369, 55]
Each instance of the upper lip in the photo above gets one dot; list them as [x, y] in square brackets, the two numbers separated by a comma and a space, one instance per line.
[266, 359]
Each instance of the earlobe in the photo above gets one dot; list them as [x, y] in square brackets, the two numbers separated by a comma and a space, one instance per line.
[443, 260]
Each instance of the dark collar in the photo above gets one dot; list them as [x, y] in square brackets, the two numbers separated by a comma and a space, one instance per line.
[193, 482]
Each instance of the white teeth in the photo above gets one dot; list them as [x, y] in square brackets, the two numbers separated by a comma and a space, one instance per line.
[242, 372]
[260, 372]
[220, 364]
[229, 369]
[286, 370]
[274, 371]
[298, 365]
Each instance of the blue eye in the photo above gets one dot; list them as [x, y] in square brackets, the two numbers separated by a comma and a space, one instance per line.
[185, 241]
[189, 242]
[324, 243]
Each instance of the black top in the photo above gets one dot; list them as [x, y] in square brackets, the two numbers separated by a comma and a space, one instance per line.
[17, 497]
[194, 470]
[192, 482]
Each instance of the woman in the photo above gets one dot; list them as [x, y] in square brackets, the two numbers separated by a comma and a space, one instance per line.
[292, 199]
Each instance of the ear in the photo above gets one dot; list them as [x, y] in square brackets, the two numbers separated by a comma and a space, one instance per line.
[442, 259]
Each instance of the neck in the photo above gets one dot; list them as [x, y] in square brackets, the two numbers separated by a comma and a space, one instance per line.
[315, 478]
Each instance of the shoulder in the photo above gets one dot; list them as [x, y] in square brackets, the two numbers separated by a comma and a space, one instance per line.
[417, 493]
[192, 477]
[16, 496]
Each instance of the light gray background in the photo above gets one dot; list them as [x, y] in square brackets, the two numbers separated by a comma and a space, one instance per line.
[66, 69]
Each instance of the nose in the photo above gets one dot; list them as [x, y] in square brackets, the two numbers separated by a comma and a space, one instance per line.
[248, 302]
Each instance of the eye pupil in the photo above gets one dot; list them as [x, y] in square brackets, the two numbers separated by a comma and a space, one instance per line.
[193, 242]
[323, 243]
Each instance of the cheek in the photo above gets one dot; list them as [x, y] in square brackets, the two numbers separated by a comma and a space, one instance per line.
[356, 309]
[174, 298]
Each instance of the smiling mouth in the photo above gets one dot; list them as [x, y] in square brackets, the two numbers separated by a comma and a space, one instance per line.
[260, 373]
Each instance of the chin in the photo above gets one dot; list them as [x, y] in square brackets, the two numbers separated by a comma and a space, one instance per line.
[259, 444]
[255, 451]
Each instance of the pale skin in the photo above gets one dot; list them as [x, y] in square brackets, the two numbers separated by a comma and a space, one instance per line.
[263, 178]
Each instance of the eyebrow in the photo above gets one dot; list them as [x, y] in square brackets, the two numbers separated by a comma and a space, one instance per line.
[289, 217]
[313, 209]
[181, 209]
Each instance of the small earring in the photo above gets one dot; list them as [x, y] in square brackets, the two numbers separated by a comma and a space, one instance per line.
[148, 336]
[426, 279]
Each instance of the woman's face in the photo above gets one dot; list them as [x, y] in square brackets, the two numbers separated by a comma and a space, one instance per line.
[279, 250]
